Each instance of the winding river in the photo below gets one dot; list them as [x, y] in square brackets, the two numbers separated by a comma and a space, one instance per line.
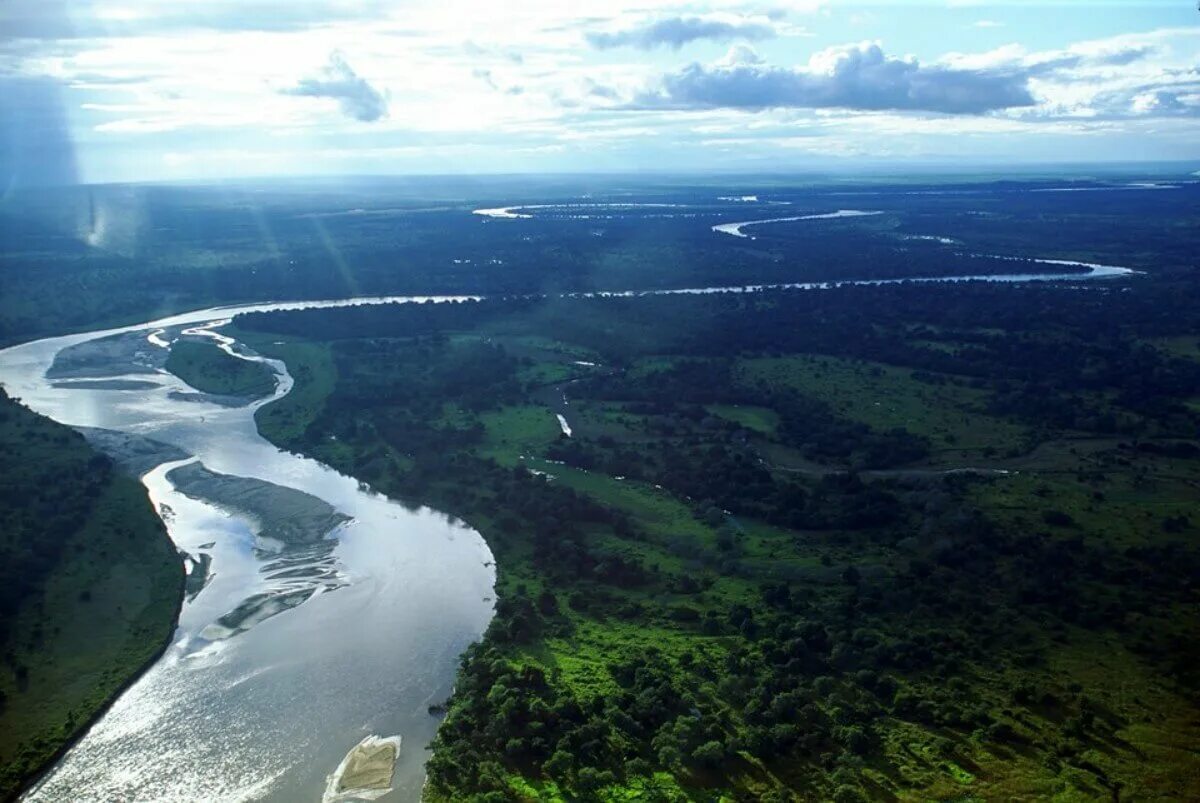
[288, 652]
[265, 712]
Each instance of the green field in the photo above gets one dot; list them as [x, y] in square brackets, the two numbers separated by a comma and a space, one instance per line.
[951, 415]
[513, 432]
[311, 366]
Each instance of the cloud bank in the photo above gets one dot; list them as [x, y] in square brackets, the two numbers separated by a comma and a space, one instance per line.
[356, 98]
[675, 32]
[860, 77]
[163, 89]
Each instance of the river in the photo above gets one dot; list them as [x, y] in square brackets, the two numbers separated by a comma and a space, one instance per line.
[289, 655]
[269, 712]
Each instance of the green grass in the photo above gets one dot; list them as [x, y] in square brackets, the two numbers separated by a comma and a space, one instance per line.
[1104, 500]
[204, 366]
[652, 365]
[516, 431]
[762, 420]
[1186, 347]
[657, 510]
[885, 397]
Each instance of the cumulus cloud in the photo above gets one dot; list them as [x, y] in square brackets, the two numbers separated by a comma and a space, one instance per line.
[1164, 101]
[740, 54]
[1176, 93]
[675, 32]
[860, 77]
[356, 98]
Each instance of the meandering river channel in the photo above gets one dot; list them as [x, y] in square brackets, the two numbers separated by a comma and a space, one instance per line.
[319, 612]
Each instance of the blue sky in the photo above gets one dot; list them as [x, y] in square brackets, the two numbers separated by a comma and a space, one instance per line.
[127, 90]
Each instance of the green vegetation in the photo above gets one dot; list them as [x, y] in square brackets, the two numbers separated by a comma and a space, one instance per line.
[951, 415]
[84, 257]
[765, 564]
[762, 420]
[740, 578]
[204, 366]
[90, 585]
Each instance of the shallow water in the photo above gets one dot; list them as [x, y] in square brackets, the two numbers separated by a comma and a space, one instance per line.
[269, 712]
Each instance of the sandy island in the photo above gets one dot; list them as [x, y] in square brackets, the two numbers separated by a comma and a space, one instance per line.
[366, 771]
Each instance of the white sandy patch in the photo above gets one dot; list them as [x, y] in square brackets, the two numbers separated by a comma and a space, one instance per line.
[366, 771]
[735, 229]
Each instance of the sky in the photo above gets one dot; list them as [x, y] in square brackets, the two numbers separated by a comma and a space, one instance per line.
[153, 90]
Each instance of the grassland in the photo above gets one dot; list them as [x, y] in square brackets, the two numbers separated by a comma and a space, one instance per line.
[945, 410]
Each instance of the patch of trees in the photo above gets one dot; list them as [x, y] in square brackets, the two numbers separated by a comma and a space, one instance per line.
[1040, 349]
[49, 482]
[807, 677]
[808, 424]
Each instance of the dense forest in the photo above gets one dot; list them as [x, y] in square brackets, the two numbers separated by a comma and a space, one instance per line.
[892, 542]
[89, 588]
[84, 257]
[866, 543]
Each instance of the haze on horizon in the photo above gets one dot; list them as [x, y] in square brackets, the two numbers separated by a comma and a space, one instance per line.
[157, 90]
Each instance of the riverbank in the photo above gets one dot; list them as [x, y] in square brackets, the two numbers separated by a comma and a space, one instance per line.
[90, 620]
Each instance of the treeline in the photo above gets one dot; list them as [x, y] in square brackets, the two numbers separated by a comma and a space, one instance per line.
[680, 390]
[90, 586]
[174, 248]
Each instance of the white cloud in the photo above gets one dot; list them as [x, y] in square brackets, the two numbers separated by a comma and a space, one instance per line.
[355, 96]
[146, 74]
[740, 55]
[675, 32]
[858, 77]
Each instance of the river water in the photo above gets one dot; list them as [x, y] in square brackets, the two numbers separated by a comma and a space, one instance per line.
[267, 711]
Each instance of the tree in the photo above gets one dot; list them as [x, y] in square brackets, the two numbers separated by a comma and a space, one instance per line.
[710, 754]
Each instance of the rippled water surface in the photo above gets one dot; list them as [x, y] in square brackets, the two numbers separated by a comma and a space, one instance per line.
[266, 713]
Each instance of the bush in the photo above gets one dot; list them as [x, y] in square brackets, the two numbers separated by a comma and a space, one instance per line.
[1057, 518]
